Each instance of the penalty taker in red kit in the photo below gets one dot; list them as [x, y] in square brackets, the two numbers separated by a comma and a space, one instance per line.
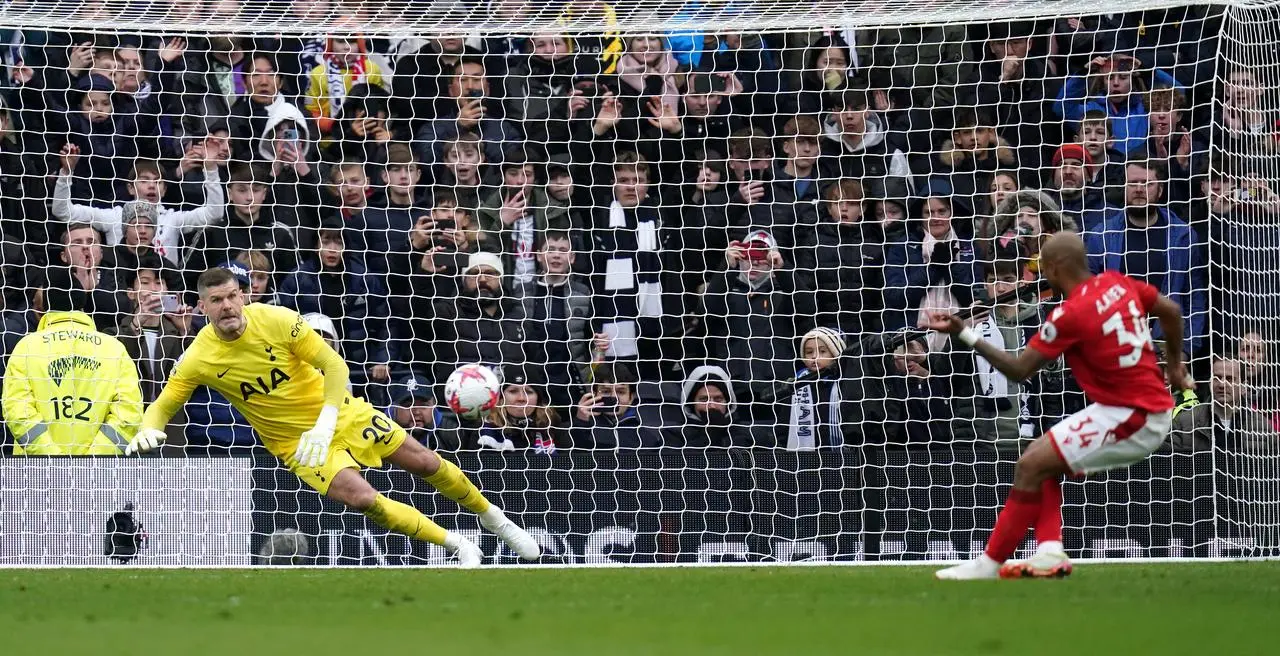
[1102, 330]
[292, 387]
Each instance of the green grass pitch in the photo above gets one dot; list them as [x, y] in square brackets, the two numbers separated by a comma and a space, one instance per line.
[1211, 608]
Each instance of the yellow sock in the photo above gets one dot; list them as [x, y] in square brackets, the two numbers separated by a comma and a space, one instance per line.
[403, 518]
[452, 483]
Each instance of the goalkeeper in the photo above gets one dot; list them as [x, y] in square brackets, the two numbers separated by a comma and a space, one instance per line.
[292, 387]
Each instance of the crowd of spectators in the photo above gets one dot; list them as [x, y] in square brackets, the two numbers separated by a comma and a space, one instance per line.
[650, 236]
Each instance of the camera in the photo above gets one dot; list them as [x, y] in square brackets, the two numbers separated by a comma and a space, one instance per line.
[169, 303]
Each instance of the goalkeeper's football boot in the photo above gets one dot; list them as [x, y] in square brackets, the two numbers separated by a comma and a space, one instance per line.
[981, 567]
[1043, 565]
[469, 555]
[517, 538]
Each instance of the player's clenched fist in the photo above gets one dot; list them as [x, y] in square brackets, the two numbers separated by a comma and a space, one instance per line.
[146, 440]
[313, 446]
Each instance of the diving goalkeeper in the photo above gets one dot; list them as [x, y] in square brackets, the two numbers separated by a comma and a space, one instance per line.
[268, 362]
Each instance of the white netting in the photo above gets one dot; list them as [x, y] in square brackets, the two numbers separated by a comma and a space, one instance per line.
[672, 194]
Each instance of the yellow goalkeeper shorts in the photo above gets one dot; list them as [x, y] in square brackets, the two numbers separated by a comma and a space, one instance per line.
[364, 436]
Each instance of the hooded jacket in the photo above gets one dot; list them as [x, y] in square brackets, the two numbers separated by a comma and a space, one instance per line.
[879, 154]
[277, 113]
[697, 430]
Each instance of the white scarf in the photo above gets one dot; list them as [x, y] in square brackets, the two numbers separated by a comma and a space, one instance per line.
[991, 383]
[802, 435]
[995, 385]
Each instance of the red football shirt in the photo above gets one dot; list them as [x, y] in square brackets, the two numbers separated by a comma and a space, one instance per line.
[1103, 329]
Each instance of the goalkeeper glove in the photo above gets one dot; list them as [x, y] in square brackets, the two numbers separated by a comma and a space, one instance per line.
[1186, 399]
[313, 446]
[146, 440]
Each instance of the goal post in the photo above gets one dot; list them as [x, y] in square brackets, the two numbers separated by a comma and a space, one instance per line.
[688, 236]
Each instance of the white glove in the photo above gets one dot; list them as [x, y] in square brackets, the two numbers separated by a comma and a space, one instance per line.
[313, 446]
[146, 440]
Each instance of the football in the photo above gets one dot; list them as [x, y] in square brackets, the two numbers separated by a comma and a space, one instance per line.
[472, 390]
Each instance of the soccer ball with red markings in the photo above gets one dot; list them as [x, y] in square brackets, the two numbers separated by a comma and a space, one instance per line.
[472, 390]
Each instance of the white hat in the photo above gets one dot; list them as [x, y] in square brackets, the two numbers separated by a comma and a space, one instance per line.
[321, 324]
[829, 337]
[483, 258]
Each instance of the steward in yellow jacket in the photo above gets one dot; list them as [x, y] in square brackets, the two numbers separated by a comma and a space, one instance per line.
[70, 390]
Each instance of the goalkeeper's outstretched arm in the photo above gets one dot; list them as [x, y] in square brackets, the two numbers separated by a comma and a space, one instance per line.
[175, 394]
[314, 350]
[313, 446]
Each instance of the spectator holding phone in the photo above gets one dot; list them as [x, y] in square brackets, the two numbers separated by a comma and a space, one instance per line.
[539, 93]
[610, 416]
[361, 131]
[345, 64]
[649, 70]
[157, 331]
[471, 112]
[424, 265]
[517, 214]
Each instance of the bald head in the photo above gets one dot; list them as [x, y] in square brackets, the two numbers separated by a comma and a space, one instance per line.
[1065, 251]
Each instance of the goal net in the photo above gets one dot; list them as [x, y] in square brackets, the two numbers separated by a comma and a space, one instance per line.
[694, 239]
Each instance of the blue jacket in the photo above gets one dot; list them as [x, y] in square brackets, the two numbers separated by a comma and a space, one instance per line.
[1184, 282]
[1128, 124]
[907, 277]
[1089, 209]
[374, 232]
[363, 324]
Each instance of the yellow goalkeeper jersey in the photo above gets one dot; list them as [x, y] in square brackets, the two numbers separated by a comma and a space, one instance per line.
[70, 390]
[265, 373]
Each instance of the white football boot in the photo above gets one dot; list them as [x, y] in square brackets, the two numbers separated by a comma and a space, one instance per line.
[517, 538]
[1049, 562]
[469, 555]
[982, 567]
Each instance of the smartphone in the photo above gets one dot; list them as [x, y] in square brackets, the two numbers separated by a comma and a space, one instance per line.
[653, 85]
[475, 93]
[169, 303]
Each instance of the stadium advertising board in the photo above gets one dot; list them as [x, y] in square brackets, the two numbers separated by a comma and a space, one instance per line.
[145, 511]
[671, 505]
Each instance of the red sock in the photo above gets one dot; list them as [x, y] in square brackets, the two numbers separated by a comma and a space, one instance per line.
[1049, 524]
[1020, 511]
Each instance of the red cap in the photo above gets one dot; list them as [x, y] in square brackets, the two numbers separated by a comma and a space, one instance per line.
[1072, 151]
